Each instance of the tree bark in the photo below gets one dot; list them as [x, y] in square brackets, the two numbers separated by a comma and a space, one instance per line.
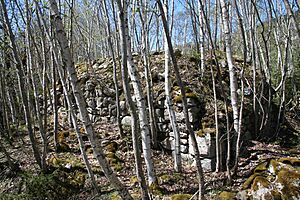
[132, 108]
[169, 103]
[68, 62]
[21, 84]
[185, 108]
[232, 79]
[140, 101]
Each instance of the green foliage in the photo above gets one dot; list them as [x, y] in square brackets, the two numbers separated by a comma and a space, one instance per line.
[44, 186]
[58, 185]
[14, 196]
[194, 56]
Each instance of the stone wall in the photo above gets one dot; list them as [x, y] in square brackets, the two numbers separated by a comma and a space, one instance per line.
[100, 97]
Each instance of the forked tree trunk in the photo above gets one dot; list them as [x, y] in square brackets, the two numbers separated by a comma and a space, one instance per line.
[132, 108]
[140, 100]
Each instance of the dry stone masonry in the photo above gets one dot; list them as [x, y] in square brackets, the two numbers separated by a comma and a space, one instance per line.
[100, 97]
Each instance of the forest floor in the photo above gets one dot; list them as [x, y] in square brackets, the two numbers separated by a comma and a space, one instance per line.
[170, 182]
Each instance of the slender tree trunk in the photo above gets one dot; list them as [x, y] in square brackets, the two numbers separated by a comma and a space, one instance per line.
[21, 84]
[232, 79]
[74, 120]
[145, 53]
[67, 59]
[292, 16]
[110, 44]
[30, 63]
[169, 103]
[140, 101]
[130, 103]
[201, 31]
[218, 145]
[185, 107]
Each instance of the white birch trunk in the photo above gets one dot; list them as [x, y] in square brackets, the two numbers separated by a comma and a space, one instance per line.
[169, 104]
[185, 107]
[201, 39]
[233, 82]
[141, 105]
[68, 62]
[132, 108]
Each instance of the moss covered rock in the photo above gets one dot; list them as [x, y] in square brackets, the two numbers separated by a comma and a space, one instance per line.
[227, 195]
[181, 197]
[289, 184]
[275, 179]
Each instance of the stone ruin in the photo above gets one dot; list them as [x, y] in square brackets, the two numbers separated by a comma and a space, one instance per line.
[100, 97]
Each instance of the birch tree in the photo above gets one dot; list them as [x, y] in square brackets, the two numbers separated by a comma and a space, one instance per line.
[22, 86]
[169, 103]
[143, 13]
[185, 108]
[69, 63]
[232, 79]
[140, 99]
[130, 103]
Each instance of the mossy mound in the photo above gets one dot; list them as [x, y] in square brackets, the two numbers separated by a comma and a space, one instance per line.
[111, 147]
[66, 161]
[57, 185]
[181, 197]
[274, 179]
[290, 183]
[155, 189]
[169, 179]
[114, 161]
[227, 195]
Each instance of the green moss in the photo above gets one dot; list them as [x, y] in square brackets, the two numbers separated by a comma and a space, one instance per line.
[248, 182]
[62, 147]
[118, 167]
[54, 161]
[89, 150]
[290, 180]
[274, 166]
[155, 189]
[134, 180]
[78, 179]
[177, 99]
[261, 167]
[177, 89]
[114, 161]
[181, 197]
[260, 181]
[227, 195]
[191, 95]
[111, 147]
[200, 133]
[291, 161]
[48, 186]
[81, 68]
[115, 196]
